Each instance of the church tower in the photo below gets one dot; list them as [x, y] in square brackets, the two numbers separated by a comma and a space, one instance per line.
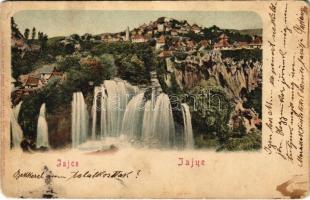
[127, 38]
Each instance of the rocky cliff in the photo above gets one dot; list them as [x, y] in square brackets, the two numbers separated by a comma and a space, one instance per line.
[237, 77]
[59, 126]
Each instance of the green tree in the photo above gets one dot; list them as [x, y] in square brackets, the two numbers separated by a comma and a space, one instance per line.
[13, 25]
[33, 34]
[161, 71]
[76, 37]
[212, 108]
[26, 33]
[68, 62]
[249, 142]
[40, 36]
[254, 100]
[174, 88]
[195, 37]
[43, 38]
[108, 63]
[69, 48]
[212, 33]
[133, 69]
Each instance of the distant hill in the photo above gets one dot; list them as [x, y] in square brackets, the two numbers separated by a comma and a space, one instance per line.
[258, 31]
[53, 40]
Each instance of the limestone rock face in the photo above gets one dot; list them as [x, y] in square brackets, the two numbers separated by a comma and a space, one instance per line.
[179, 78]
[234, 76]
[243, 116]
[232, 79]
[238, 78]
[192, 78]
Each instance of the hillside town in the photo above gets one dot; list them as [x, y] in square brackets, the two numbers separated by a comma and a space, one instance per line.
[172, 35]
[179, 40]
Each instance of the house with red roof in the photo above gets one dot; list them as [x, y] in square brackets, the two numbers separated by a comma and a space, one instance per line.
[33, 82]
[223, 43]
[241, 45]
[165, 54]
[257, 42]
[196, 28]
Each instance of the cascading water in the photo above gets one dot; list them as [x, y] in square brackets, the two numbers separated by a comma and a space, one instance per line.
[114, 98]
[153, 98]
[147, 126]
[103, 114]
[133, 117]
[131, 90]
[94, 112]
[122, 103]
[163, 130]
[17, 133]
[111, 107]
[188, 130]
[42, 129]
[117, 99]
[123, 111]
[79, 121]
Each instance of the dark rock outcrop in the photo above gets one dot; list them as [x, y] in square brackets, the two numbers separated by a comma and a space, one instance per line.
[59, 125]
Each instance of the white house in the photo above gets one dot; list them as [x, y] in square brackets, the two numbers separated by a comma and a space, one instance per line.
[160, 27]
[160, 42]
[138, 39]
[13, 81]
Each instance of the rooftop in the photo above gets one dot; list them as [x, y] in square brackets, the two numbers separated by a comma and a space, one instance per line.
[45, 69]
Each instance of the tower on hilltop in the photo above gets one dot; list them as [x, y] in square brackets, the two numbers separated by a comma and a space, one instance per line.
[127, 38]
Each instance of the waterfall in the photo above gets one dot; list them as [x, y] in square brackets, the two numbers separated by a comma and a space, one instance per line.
[103, 114]
[42, 129]
[17, 133]
[122, 104]
[117, 99]
[163, 127]
[94, 112]
[133, 117]
[123, 111]
[188, 130]
[158, 125]
[147, 127]
[153, 98]
[111, 107]
[131, 90]
[79, 121]
[114, 96]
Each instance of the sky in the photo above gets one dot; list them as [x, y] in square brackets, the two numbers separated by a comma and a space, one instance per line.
[63, 23]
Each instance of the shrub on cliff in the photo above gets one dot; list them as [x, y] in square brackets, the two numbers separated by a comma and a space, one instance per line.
[248, 142]
[134, 61]
[254, 100]
[255, 54]
[211, 109]
[133, 69]
[29, 113]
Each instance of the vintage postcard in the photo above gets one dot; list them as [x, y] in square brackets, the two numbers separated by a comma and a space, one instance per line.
[170, 99]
